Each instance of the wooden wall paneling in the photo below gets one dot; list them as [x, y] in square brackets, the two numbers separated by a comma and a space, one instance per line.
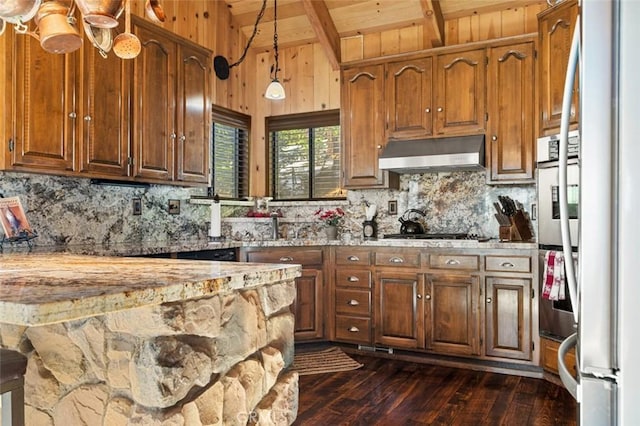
[322, 80]
[334, 89]
[304, 93]
[389, 42]
[258, 184]
[451, 32]
[490, 25]
[352, 48]
[411, 38]
[513, 22]
[371, 46]
[531, 17]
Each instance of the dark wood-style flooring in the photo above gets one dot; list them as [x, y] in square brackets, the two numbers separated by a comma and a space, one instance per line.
[390, 392]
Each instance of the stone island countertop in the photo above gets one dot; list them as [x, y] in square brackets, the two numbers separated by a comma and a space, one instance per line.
[37, 289]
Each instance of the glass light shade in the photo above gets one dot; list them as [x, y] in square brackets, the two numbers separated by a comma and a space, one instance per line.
[275, 91]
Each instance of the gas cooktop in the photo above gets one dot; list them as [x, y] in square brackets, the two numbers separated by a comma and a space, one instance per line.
[443, 236]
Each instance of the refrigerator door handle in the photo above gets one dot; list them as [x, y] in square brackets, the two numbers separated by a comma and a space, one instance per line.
[568, 380]
[574, 56]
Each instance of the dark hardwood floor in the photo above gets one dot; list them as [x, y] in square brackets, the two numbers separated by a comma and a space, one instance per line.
[390, 392]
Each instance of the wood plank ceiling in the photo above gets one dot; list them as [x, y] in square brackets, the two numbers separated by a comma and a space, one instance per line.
[327, 21]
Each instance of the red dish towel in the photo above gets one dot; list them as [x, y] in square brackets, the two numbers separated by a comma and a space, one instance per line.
[553, 288]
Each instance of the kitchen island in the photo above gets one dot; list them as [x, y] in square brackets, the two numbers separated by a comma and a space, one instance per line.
[114, 340]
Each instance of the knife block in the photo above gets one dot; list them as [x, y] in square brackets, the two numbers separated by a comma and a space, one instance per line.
[519, 230]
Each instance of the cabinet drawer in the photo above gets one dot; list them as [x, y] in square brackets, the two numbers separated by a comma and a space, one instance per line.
[353, 329]
[397, 259]
[353, 302]
[292, 255]
[349, 256]
[353, 278]
[508, 263]
[454, 261]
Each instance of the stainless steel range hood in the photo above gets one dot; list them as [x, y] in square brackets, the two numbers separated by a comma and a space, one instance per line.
[433, 155]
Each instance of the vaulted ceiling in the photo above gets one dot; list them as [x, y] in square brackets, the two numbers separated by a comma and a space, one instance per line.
[327, 21]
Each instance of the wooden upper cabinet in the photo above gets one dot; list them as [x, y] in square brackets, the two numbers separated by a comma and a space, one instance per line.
[511, 105]
[408, 99]
[460, 92]
[154, 105]
[363, 128]
[555, 31]
[44, 114]
[194, 115]
[104, 114]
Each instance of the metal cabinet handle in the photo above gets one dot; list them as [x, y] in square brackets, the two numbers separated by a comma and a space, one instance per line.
[353, 258]
[427, 110]
[507, 265]
[489, 300]
[453, 262]
[396, 260]
[439, 109]
[87, 118]
[494, 138]
[286, 259]
[353, 279]
[353, 329]
[419, 296]
[379, 146]
[353, 302]
[183, 138]
[72, 115]
[427, 296]
[173, 135]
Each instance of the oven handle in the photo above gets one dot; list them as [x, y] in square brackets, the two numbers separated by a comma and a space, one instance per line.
[574, 57]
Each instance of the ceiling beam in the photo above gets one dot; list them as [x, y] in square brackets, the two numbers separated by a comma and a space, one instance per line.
[434, 23]
[325, 29]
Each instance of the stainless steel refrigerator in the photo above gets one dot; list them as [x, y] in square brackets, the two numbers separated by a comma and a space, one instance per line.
[606, 290]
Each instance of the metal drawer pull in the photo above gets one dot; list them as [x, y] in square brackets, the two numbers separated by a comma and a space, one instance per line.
[353, 258]
[489, 300]
[427, 296]
[396, 260]
[353, 329]
[286, 259]
[419, 296]
[453, 262]
[507, 265]
[353, 279]
[353, 302]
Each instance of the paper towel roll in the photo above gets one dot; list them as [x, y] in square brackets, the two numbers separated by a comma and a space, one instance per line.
[214, 229]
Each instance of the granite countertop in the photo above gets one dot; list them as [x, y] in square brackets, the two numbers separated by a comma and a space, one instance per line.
[37, 289]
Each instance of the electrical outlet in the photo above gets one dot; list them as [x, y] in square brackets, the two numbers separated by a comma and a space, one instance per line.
[137, 206]
[174, 206]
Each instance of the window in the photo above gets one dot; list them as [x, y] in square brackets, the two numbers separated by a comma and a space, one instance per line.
[230, 152]
[305, 156]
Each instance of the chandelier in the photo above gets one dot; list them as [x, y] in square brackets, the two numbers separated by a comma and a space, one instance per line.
[57, 30]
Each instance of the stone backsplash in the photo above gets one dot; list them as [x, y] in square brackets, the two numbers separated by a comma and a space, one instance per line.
[66, 210]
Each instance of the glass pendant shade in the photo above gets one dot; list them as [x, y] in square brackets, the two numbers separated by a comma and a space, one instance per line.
[275, 91]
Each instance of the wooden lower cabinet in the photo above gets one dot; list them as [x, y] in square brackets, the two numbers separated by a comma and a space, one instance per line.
[549, 357]
[451, 312]
[308, 306]
[508, 317]
[399, 310]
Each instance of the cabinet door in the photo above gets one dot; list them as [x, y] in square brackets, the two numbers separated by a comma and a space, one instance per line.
[451, 312]
[154, 111]
[399, 312]
[508, 317]
[307, 307]
[511, 112]
[363, 127]
[408, 98]
[555, 31]
[460, 92]
[44, 120]
[104, 113]
[194, 114]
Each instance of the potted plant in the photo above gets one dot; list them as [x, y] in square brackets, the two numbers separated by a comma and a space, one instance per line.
[331, 218]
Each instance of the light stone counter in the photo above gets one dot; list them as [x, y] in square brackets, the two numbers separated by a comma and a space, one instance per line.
[120, 341]
[37, 289]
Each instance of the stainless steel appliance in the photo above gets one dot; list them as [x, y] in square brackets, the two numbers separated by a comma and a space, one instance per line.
[605, 291]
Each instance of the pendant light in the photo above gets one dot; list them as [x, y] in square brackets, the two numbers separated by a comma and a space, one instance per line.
[275, 91]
